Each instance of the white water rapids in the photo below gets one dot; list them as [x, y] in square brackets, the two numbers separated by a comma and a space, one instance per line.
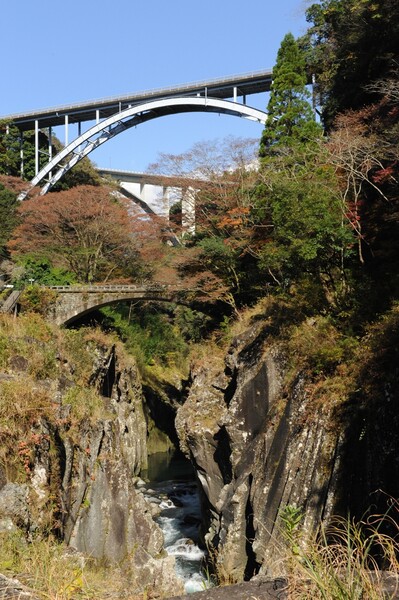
[179, 518]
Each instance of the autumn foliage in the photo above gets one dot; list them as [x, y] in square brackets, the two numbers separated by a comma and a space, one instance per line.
[84, 229]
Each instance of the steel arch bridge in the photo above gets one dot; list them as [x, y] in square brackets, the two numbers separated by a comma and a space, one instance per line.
[121, 113]
[120, 122]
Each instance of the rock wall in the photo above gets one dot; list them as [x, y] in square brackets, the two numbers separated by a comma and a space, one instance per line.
[256, 450]
[81, 476]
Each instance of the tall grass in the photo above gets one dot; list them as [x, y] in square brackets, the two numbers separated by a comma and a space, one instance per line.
[44, 566]
[346, 560]
[54, 572]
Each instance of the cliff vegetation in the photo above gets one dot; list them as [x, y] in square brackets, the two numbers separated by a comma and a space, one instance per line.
[279, 378]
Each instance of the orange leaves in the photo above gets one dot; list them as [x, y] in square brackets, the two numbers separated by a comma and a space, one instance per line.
[234, 217]
[84, 229]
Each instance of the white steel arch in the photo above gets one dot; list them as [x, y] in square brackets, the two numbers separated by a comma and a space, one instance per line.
[119, 122]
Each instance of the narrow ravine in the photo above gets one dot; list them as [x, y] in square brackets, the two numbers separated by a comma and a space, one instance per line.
[171, 487]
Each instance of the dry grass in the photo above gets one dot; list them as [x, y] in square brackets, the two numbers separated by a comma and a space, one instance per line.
[343, 561]
[31, 339]
[22, 403]
[86, 403]
[53, 572]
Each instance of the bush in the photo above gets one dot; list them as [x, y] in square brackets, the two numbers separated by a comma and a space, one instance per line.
[150, 335]
[41, 272]
[37, 299]
[86, 403]
[317, 346]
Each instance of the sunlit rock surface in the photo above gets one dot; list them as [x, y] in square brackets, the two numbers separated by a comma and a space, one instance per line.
[85, 472]
[256, 450]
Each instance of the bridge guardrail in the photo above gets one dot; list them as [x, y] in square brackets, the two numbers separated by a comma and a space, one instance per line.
[115, 288]
[143, 94]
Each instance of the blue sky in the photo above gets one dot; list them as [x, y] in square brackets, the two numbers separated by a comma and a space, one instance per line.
[63, 52]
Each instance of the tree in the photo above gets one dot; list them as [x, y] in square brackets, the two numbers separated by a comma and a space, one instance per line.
[11, 147]
[223, 174]
[364, 160]
[41, 272]
[290, 116]
[350, 44]
[220, 171]
[8, 216]
[308, 235]
[299, 224]
[10, 159]
[207, 161]
[84, 229]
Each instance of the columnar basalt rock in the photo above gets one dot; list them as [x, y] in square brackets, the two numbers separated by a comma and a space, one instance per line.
[255, 450]
[86, 473]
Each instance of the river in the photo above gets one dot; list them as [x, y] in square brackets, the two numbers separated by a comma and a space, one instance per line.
[171, 486]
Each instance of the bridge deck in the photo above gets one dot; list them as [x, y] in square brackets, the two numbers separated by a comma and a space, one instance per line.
[226, 87]
[115, 288]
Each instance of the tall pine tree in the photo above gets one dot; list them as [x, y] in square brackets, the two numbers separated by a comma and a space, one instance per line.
[299, 207]
[290, 115]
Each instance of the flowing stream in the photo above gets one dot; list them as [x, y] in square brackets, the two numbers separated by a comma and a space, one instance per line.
[173, 489]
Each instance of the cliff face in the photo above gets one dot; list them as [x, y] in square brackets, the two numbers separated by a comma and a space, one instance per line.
[105, 516]
[256, 450]
[259, 437]
[79, 463]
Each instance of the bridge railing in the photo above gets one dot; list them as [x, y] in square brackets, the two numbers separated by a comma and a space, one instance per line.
[115, 288]
[164, 91]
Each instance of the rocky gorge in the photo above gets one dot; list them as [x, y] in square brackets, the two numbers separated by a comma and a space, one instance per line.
[71, 469]
[77, 429]
[255, 452]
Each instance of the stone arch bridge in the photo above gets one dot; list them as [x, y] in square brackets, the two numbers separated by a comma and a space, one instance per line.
[73, 302]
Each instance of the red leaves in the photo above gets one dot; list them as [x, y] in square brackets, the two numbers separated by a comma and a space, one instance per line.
[234, 217]
[84, 229]
[386, 174]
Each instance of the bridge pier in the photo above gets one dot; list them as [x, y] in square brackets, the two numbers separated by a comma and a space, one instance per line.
[188, 211]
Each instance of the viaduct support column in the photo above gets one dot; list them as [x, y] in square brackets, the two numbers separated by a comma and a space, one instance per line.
[21, 153]
[36, 147]
[66, 130]
[165, 201]
[188, 211]
[50, 147]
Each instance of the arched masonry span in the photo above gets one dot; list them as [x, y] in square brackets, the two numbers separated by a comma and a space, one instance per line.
[76, 301]
[130, 117]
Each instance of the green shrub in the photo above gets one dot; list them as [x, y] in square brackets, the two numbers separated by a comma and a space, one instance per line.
[37, 299]
[41, 272]
[85, 403]
[317, 346]
[150, 335]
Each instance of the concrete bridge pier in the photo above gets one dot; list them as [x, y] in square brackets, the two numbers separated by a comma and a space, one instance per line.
[188, 211]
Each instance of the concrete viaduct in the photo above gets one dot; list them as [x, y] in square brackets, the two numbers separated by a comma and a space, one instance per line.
[155, 194]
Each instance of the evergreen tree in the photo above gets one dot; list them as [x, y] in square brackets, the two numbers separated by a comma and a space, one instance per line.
[9, 149]
[8, 217]
[290, 115]
[350, 45]
[298, 205]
